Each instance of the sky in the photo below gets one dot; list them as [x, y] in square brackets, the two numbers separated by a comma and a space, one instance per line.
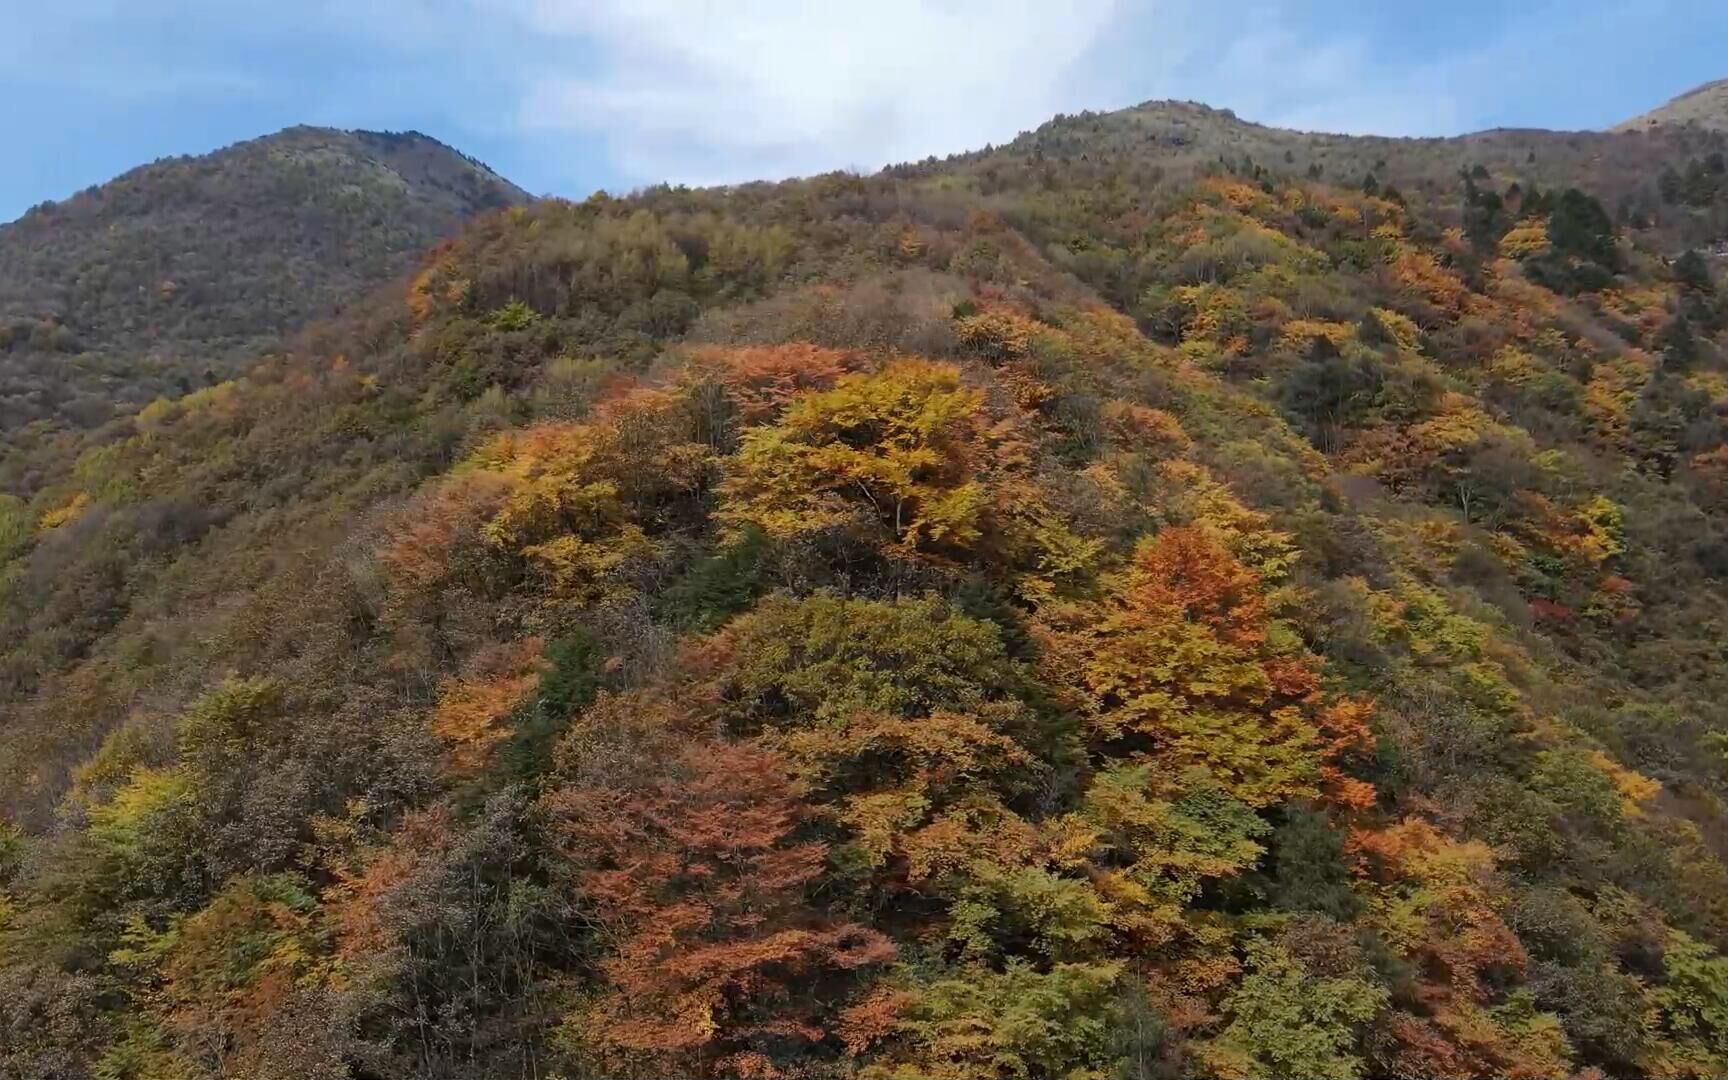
[567, 97]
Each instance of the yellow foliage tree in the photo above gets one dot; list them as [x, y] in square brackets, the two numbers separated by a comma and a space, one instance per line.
[470, 710]
[897, 450]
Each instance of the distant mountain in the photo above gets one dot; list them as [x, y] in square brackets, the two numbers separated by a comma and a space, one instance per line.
[177, 272]
[1705, 106]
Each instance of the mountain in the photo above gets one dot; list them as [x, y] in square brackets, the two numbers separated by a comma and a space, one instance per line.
[1705, 107]
[1164, 597]
[175, 274]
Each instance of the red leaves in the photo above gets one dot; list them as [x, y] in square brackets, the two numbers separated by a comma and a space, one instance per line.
[1344, 725]
[761, 380]
[1547, 611]
[357, 901]
[421, 550]
[1148, 430]
[1189, 571]
[699, 878]
[872, 1020]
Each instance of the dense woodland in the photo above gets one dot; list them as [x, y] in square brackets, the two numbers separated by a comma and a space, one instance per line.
[1163, 598]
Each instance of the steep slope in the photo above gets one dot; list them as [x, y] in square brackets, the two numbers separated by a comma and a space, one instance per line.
[1073, 610]
[1705, 107]
[175, 273]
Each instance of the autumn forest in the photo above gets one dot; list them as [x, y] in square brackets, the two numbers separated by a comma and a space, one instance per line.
[1160, 598]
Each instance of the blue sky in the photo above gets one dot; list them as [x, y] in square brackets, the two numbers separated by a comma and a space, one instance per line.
[567, 96]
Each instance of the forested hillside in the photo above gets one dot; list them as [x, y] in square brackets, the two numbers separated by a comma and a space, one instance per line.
[1162, 598]
[181, 273]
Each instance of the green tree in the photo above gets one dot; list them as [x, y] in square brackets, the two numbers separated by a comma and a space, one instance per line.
[1286, 1022]
[1692, 272]
[1020, 1022]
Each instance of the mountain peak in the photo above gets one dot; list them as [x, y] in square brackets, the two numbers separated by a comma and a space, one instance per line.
[396, 147]
[1704, 106]
[175, 271]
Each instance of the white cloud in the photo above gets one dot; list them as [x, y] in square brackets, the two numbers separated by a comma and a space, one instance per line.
[711, 91]
[567, 94]
[1278, 62]
[715, 91]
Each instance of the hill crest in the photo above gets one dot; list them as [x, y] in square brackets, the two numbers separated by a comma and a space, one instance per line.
[1703, 106]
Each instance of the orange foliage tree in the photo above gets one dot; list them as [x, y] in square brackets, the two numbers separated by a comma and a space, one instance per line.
[470, 711]
[1438, 904]
[1179, 665]
[760, 380]
[698, 880]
